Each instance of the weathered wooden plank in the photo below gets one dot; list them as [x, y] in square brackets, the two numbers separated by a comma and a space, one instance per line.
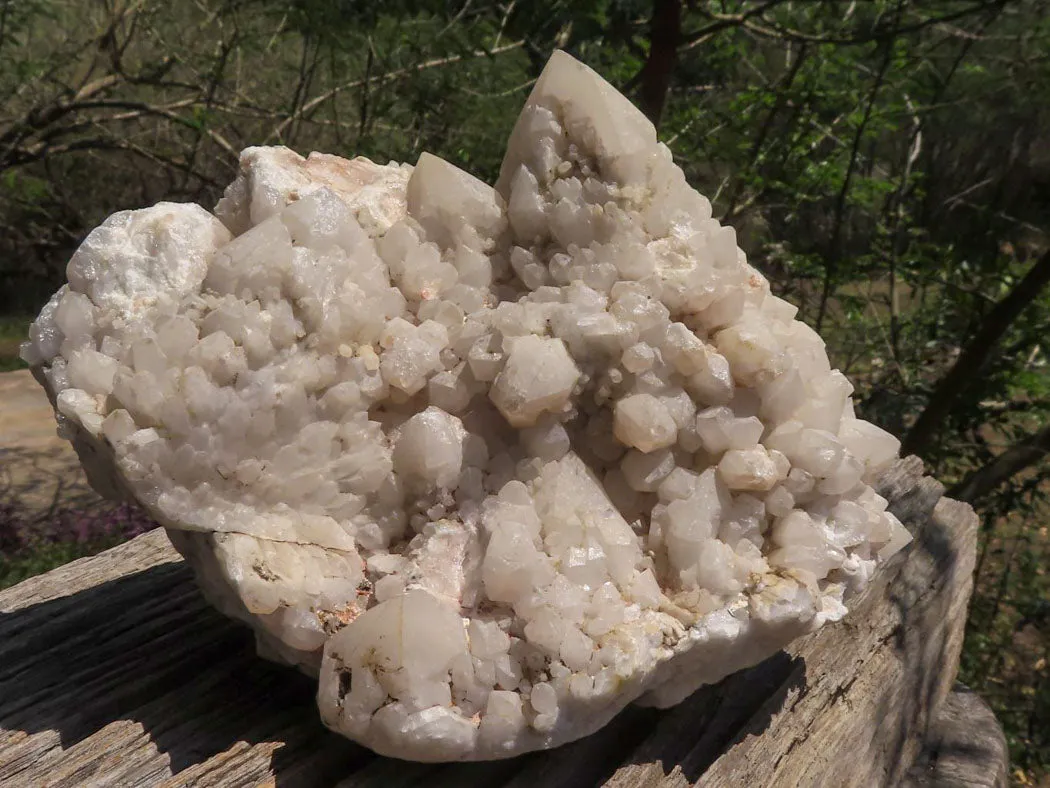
[862, 689]
[966, 747]
[145, 552]
[871, 685]
[113, 671]
[129, 680]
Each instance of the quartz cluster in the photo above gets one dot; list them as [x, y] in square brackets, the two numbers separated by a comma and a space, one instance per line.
[491, 462]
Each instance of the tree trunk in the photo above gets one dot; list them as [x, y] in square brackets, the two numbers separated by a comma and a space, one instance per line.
[665, 33]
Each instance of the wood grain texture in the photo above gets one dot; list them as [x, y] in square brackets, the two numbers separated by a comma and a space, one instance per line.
[965, 749]
[114, 672]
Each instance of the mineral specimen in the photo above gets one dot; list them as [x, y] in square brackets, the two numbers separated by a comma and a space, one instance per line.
[492, 463]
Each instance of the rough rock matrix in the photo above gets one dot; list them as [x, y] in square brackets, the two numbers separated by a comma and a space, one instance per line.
[493, 463]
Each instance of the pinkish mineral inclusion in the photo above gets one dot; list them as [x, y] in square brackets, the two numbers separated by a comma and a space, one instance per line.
[491, 463]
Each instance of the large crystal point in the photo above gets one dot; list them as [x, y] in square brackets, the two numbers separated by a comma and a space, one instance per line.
[493, 463]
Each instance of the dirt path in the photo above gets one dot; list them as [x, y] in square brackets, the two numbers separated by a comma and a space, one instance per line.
[38, 469]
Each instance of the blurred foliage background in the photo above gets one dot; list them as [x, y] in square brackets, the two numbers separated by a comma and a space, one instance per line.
[885, 162]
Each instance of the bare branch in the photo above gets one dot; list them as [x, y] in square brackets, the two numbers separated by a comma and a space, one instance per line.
[978, 350]
[878, 33]
[782, 88]
[725, 21]
[390, 76]
[831, 257]
[1005, 466]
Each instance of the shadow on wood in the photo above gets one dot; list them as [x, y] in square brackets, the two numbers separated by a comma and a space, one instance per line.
[144, 658]
[926, 638]
[114, 670]
[141, 666]
[929, 636]
[966, 747]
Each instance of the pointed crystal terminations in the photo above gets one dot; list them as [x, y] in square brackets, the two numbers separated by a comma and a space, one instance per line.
[491, 463]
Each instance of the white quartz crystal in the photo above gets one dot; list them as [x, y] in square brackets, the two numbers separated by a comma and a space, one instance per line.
[492, 463]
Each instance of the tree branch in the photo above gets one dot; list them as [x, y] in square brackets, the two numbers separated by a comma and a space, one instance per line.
[878, 32]
[974, 356]
[390, 76]
[724, 21]
[783, 90]
[831, 258]
[1015, 459]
